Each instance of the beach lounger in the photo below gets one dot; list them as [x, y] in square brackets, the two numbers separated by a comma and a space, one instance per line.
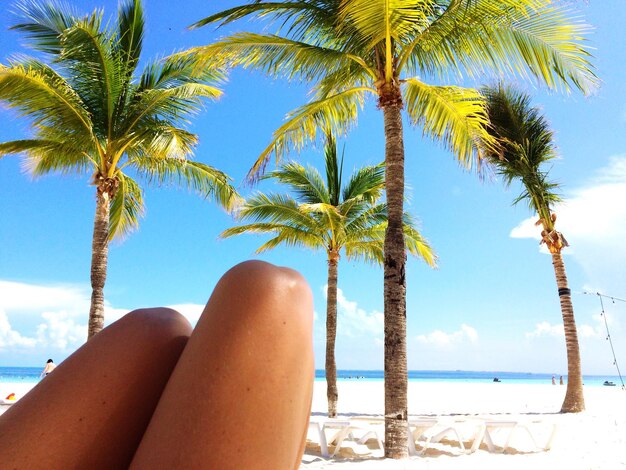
[358, 430]
[417, 430]
[513, 427]
[427, 431]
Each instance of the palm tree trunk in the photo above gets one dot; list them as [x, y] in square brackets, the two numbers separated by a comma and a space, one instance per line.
[395, 289]
[331, 333]
[99, 259]
[574, 401]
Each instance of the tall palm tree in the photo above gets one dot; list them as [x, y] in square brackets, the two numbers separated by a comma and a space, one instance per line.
[387, 49]
[526, 144]
[327, 216]
[91, 114]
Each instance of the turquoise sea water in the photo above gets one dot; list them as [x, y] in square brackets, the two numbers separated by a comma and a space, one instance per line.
[468, 376]
[31, 375]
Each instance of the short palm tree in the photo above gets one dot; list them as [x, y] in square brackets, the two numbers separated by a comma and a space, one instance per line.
[388, 49]
[91, 114]
[326, 216]
[526, 145]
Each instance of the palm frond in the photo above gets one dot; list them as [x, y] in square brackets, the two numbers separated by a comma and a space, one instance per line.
[377, 21]
[126, 208]
[39, 93]
[456, 116]
[336, 114]
[416, 244]
[44, 156]
[287, 234]
[96, 73]
[334, 170]
[293, 238]
[130, 34]
[259, 9]
[361, 215]
[279, 56]
[175, 104]
[276, 209]
[328, 216]
[307, 183]
[203, 179]
[179, 69]
[367, 183]
[525, 145]
[522, 37]
[369, 251]
[43, 23]
[159, 139]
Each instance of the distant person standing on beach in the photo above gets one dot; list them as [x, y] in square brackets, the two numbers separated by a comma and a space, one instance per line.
[561, 380]
[50, 366]
[553, 380]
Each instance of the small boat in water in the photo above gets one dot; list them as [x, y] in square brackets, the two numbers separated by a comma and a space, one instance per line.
[608, 384]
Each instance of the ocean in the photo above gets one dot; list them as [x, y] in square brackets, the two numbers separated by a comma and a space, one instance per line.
[31, 375]
[468, 376]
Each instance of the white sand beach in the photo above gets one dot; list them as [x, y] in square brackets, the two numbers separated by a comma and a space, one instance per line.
[594, 439]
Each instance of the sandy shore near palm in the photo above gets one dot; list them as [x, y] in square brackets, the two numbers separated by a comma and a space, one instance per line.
[594, 439]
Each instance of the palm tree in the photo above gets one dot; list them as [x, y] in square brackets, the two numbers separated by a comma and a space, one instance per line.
[352, 49]
[526, 144]
[325, 216]
[90, 114]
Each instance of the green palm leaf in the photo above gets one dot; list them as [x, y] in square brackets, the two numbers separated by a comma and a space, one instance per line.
[508, 36]
[526, 144]
[276, 209]
[39, 93]
[279, 56]
[336, 113]
[126, 208]
[43, 23]
[130, 35]
[453, 115]
[307, 183]
[203, 179]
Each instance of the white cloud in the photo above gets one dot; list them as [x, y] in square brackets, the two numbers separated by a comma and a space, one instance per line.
[593, 219]
[191, 311]
[60, 331]
[9, 337]
[53, 318]
[352, 320]
[597, 331]
[32, 298]
[442, 339]
[546, 329]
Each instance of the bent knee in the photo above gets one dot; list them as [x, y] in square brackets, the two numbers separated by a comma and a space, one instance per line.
[274, 292]
[158, 321]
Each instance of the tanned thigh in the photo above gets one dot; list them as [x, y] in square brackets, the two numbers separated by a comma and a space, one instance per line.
[92, 410]
[240, 395]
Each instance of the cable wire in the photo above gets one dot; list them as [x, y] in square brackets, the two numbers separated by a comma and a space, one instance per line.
[608, 334]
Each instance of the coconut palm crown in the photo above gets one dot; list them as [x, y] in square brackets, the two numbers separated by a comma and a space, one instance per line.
[91, 113]
[327, 216]
[397, 52]
[526, 144]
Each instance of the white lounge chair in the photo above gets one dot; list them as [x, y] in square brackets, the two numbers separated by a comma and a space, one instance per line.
[435, 430]
[358, 429]
[417, 430]
[511, 428]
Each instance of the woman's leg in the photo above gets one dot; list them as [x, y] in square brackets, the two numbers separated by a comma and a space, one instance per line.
[92, 411]
[240, 395]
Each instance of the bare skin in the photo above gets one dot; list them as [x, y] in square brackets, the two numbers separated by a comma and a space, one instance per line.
[238, 396]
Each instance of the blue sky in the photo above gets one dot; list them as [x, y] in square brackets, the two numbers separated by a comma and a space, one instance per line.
[491, 304]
